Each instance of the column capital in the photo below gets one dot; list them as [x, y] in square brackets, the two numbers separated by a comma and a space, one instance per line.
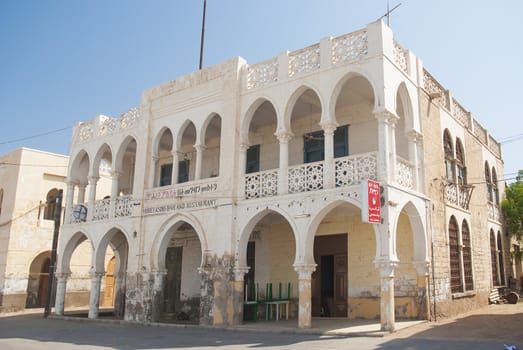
[422, 267]
[71, 183]
[155, 158]
[329, 126]
[386, 267]
[174, 153]
[98, 275]
[283, 136]
[414, 136]
[304, 270]
[385, 115]
[244, 146]
[93, 179]
[62, 275]
[239, 272]
[199, 147]
[115, 174]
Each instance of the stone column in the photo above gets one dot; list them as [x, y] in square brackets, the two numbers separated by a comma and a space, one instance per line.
[61, 288]
[94, 296]
[304, 294]
[393, 120]
[81, 193]
[158, 296]
[387, 295]
[119, 300]
[155, 181]
[199, 155]
[69, 201]
[382, 115]
[92, 196]
[206, 295]
[414, 139]
[115, 187]
[422, 268]
[174, 172]
[238, 294]
[284, 137]
[242, 165]
[329, 172]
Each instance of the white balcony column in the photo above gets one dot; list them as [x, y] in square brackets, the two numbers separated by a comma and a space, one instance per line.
[81, 193]
[382, 115]
[386, 270]
[155, 174]
[414, 139]
[328, 168]
[199, 155]
[174, 172]
[393, 120]
[69, 201]
[304, 294]
[242, 167]
[61, 287]
[115, 189]
[284, 137]
[94, 295]
[93, 180]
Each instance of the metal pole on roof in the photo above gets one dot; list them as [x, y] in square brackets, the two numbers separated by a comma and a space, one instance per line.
[203, 33]
[52, 265]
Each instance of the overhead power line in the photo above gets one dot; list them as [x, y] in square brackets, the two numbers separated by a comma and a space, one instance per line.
[35, 136]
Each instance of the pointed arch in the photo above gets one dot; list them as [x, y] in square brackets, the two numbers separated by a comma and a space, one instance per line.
[210, 138]
[419, 235]
[467, 255]
[104, 153]
[80, 167]
[69, 248]
[119, 242]
[250, 113]
[307, 94]
[454, 253]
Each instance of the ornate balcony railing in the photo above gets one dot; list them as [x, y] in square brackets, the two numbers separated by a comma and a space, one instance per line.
[261, 184]
[123, 206]
[101, 209]
[457, 195]
[306, 177]
[352, 170]
[493, 212]
[404, 173]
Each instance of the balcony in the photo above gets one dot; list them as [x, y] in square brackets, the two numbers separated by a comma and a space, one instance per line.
[348, 171]
[458, 195]
[493, 212]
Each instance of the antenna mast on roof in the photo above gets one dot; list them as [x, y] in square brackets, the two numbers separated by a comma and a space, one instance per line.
[203, 34]
[387, 14]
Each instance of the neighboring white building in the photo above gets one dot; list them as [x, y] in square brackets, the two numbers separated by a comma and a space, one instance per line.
[241, 175]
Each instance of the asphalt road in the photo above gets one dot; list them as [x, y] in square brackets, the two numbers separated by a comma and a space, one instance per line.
[485, 329]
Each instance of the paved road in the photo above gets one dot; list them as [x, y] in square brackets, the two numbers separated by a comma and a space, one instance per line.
[485, 329]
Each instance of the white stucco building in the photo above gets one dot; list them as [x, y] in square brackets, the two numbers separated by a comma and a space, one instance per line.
[241, 175]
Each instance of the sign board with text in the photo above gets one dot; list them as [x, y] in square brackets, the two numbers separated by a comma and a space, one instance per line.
[370, 209]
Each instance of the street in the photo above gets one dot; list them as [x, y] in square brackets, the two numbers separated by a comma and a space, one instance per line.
[488, 328]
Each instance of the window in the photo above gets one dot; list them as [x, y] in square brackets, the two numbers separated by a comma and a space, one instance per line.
[183, 171]
[467, 256]
[488, 182]
[455, 265]
[495, 190]
[166, 172]
[461, 274]
[249, 277]
[449, 157]
[493, 259]
[252, 164]
[314, 144]
[460, 163]
[50, 204]
[500, 260]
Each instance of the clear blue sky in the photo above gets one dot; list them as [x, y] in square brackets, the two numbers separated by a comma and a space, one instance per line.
[66, 61]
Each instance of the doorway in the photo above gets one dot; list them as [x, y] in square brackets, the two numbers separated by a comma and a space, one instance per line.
[330, 280]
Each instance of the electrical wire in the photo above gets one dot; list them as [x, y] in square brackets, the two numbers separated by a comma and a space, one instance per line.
[35, 136]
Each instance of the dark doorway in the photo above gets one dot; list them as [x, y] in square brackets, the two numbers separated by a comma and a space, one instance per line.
[329, 281]
[173, 281]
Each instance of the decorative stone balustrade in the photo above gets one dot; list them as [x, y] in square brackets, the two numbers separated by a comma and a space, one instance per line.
[404, 173]
[493, 212]
[352, 170]
[263, 73]
[261, 184]
[350, 47]
[460, 114]
[304, 60]
[101, 209]
[123, 206]
[103, 125]
[400, 57]
[434, 87]
[306, 177]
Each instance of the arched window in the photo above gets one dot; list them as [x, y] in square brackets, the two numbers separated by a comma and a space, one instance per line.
[50, 204]
[467, 256]
[488, 182]
[495, 190]
[455, 266]
[500, 260]
[493, 259]
[449, 156]
[460, 163]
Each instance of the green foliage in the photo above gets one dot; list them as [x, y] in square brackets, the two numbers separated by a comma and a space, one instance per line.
[512, 207]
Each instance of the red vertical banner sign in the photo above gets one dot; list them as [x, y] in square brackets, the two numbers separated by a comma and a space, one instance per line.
[370, 211]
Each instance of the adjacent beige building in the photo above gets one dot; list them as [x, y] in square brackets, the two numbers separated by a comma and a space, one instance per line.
[237, 192]
[29, 180]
